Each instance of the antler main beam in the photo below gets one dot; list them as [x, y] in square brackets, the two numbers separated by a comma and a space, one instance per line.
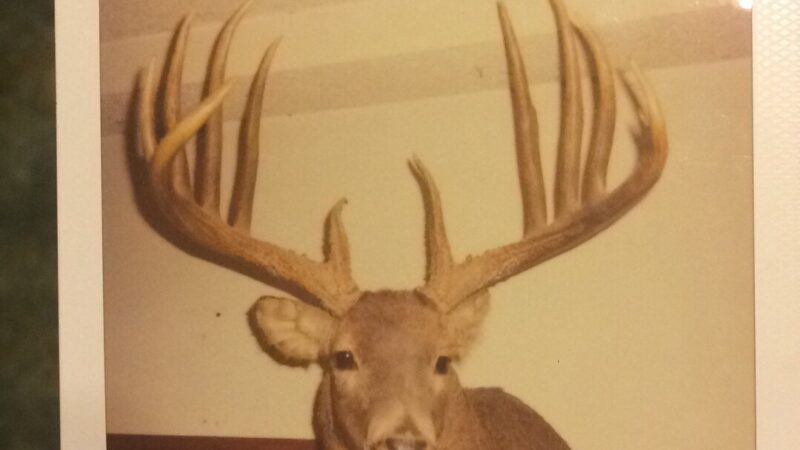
[583, 207]
[197, 217]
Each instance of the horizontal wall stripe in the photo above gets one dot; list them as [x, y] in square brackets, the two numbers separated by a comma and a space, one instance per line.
[123, 19]
[698, 37]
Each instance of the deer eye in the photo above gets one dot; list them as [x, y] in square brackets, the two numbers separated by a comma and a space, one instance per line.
[442, 365]
[344, 360]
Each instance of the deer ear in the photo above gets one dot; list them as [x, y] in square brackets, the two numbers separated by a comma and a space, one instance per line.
[464, 322]
[299, 332]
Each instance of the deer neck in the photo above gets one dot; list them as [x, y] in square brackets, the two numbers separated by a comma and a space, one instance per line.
[463, 429]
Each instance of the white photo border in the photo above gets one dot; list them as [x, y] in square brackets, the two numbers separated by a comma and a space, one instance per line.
[80, 246]
[776, 126]
[776, 65]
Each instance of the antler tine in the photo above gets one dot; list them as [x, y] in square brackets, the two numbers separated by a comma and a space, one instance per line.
[534, 202]
[526, 131]
[437, 247]
[567, 189]
[144, 118]
[172, 101]
[337, 251]
[209, 154]
[171, 144]
[650, 118]
[577, 219]
[328, 283]
[241, 207]
[159, 154]
[605, 112]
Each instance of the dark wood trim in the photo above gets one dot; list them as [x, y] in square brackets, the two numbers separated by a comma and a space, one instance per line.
[160, 442]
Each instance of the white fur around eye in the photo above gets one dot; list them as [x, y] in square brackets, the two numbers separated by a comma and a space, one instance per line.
[298, 331]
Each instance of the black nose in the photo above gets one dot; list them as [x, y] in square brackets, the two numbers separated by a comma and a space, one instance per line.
[405, 443]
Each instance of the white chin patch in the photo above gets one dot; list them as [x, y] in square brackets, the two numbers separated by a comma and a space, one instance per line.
[404, 446]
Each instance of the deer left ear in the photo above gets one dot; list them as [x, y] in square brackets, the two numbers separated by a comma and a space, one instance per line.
[300, 332]
[464, 322]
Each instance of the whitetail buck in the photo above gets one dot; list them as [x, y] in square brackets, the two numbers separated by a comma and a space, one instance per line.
[386, 356]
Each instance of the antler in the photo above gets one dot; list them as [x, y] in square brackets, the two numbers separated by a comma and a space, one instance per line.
[199, 221]
[579, 212]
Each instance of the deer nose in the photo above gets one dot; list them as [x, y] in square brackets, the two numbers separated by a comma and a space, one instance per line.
[405, 443]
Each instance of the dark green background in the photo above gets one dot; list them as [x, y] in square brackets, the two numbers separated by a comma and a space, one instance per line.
[28, 288]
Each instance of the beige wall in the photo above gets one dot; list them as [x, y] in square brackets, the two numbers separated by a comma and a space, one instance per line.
[641, 338]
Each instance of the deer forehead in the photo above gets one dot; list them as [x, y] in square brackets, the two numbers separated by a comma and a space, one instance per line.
[399, 322]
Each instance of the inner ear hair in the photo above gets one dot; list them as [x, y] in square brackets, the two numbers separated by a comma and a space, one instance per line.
[297, 331]
[463, 323]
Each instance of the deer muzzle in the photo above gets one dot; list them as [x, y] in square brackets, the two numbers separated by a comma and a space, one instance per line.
[400, 427]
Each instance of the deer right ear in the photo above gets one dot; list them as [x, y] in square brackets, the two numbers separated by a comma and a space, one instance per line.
[299, 332]
[464, 322]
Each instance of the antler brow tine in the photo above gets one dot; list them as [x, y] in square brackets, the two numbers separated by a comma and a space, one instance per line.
[437, 247]
[337, 248]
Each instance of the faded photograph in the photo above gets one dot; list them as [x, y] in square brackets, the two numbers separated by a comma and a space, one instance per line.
[439, 224]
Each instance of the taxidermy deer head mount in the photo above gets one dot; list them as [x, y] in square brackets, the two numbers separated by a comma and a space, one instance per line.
[386, 355]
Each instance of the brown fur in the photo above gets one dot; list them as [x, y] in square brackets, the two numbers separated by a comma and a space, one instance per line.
[396, 338]
[511, 424]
